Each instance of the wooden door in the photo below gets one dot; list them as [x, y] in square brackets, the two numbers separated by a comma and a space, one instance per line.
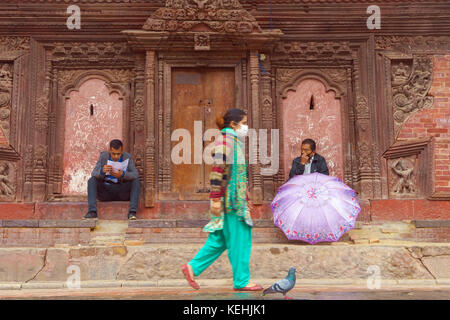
[198, 94]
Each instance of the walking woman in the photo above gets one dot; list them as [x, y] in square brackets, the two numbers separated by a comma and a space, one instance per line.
[231, 225]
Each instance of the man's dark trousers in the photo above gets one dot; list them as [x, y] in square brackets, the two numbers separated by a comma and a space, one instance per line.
[128, 190]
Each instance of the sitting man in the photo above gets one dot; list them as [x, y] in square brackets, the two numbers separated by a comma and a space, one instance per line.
[309, 162]
[107, 185]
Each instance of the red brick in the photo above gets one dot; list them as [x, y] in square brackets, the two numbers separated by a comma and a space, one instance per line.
[393, 210]
[17, 211]
[437, 130]
[427, 210]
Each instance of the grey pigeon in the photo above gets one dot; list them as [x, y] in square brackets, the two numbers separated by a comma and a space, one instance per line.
[283, 286]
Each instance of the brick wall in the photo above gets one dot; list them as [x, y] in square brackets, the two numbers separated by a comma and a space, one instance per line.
[435, 122]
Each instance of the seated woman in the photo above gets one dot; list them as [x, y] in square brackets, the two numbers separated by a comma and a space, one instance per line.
[309, 161]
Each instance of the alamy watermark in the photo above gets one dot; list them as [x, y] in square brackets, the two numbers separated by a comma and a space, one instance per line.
[374, 279]
[74, 20]
[257, 144]
[374, 21]
[74, 280]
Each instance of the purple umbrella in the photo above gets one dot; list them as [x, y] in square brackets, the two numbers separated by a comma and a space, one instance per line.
[315, 208]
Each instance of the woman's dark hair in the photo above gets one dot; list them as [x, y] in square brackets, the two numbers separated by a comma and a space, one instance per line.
[234, 114]
[311, 142]
[116, 144]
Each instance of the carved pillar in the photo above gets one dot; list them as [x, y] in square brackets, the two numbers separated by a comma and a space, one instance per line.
[267, 115]
[40, 164]
[160, 124]
[255, 169]
[138, 117]
[363, 137]
[55, 178]
[150, 182]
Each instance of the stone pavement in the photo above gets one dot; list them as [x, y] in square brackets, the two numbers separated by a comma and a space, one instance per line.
[300, 292]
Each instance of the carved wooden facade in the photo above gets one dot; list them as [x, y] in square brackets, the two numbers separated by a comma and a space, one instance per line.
[380, 81]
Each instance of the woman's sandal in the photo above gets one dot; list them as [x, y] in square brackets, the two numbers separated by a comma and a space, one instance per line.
[247, 288]
[192, 283]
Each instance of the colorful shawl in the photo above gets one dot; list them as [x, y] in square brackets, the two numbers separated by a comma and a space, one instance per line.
[229, 149]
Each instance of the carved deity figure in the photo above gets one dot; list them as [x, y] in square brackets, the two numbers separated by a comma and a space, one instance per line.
[400, 72]
[404, 173]
[5, 72]
[5, 183]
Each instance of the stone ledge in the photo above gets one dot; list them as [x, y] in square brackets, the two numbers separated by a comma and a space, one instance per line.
[432, 223]
[228, 282]
[20, 224]
[139, 284]
[10, 286]
[43, 285]
[440, 196]
[143, 223]
[97, 284]
[48, 224]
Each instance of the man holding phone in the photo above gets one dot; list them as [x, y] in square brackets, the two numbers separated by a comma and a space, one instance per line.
[309, 161]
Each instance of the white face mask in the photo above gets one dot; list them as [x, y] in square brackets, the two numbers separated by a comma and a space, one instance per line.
[242, 131]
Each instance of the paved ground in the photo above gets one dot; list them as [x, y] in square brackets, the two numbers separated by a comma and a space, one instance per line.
[304, 293]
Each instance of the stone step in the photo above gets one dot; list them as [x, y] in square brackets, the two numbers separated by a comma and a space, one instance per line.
[48, 233]
[161, 262]
[106, 240]
[373, 210]
[118, 210]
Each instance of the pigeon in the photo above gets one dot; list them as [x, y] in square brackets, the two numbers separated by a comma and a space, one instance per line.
[283, 286]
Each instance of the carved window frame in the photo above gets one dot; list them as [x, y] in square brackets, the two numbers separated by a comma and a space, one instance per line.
[11, 153]
[62, 92]
[342, 92]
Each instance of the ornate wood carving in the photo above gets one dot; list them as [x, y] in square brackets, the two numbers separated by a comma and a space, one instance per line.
[7, 181]
[12, 47]
[408, 168]
[404, 170]
[410, 87]
[255, 169]
[215, 15]
[138, 122]
[13, 51]
[6, 85]
[287, 79]
[40, 172]
[408, 44]
[292, 51]
[150, 176]
[202, 42]
[267, 121]
[100, 54]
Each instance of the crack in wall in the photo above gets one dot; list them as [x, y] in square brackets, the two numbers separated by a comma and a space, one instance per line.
[426, 268]
[43, 266]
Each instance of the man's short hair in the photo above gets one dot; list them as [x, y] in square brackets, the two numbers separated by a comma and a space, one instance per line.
[311, 143]
[115, 144]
